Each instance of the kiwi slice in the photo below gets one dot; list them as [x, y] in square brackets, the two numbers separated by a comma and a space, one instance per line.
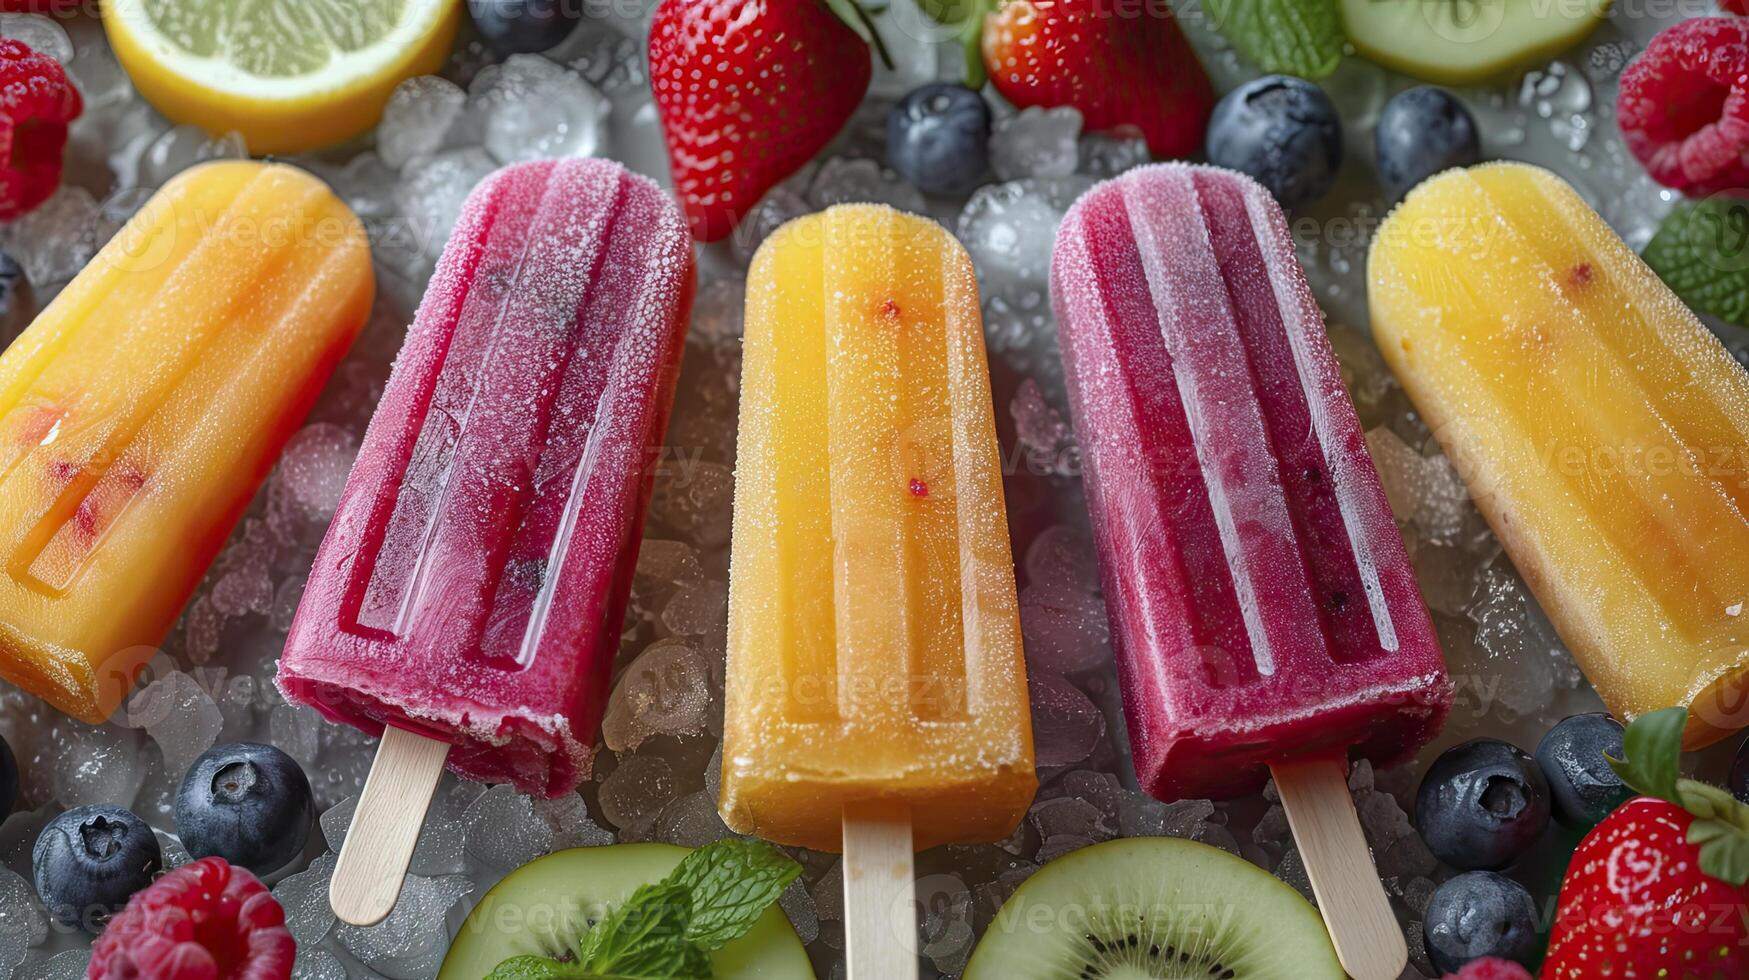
[1155, 907]
[545, 907]
[1455, 42]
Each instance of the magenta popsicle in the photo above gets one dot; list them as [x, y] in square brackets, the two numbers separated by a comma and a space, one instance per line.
[1262, 606]
[472, 586]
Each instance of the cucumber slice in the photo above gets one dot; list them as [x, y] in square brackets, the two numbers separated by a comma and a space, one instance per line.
[544, 908]
[1455, 42]
[1155, 907]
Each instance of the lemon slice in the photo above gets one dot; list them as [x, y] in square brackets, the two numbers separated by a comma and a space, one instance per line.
[290, 75]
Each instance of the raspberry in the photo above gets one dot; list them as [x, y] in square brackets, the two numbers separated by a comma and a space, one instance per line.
[1490, 968]
[1735, 6]
[203, 921]
[1684, 106]
[36, 104]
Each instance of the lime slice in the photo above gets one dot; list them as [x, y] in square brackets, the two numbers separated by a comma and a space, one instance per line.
[289, 75]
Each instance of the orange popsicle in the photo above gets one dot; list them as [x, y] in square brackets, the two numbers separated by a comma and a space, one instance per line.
[143, 408]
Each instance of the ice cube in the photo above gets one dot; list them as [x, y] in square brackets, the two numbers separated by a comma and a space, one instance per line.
[633, 795]
[1069, 816]
[1111, 153]
[828, 893]
[691, 821]
[304, 896]
[410, 943]
[418, 119]
[296, 730]
[183, 147]
[1036, 142]
[72, 964]
[1055, 847]
[668, 562]
[717, 312]
[843, 180]
[57, 239]
[533, 109]
[22, 923]
[696, 500]
[180, 716]
[172, 854]
[307, 483]
[100, 77]
[503, 831]
[784, 203]
[568, 816]
[1066, 725]
[96, 765]
[1009, 229]
[436, 187]
[1044, 434]
[799, 906]
[666, 691]
[336, 821]
[698, 609]
[1062, 556]
[317, 964]
[946, 924]
[40, 34]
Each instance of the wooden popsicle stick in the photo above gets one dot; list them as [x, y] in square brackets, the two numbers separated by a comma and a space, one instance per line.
[1356, 911]
[880, 924]
[379, 846]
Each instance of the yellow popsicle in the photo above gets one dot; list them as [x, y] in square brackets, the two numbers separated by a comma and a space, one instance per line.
[874, 637]
[143, 408]
[1603, 431]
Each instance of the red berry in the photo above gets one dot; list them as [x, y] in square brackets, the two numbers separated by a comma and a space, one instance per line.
[36, 6]
[749, 90]
[1635, 903]
[1735, 6]
[204, 921]
[36, 104]
[1490, 968]
[1136, 69]
[1684, 106]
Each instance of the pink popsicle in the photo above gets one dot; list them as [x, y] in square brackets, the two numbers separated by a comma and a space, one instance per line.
[472, 585]
[1261, 603]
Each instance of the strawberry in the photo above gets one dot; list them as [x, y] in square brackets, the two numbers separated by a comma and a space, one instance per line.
[1118, 69]
[749, 90]
[1657, 889]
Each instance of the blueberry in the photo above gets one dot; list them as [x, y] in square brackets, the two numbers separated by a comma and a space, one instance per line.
[88, 862]
[1284, 132]
[1480, 914]
[1582, 786]
[249, 804]
[938, 138]
[8, 780]
[16, 305]
[525, 26]
[1482, 804]
[1422, 132]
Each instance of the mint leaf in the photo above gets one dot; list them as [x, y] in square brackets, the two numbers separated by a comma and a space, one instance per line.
[1702, 252]
[1294, 37]
[535, 968]
[1653, 747]
[646, 937]
[732, 883]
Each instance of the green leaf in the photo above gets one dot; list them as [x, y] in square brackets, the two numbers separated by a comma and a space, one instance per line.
[732, 883]
[1724, 850]
[533, 968]
[972, 36]
[1653, 746]
[646, 937]
[1294, 37]
[1702, 252]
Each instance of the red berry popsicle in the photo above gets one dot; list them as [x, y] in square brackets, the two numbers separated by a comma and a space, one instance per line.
[470, 592]
[1263, 610]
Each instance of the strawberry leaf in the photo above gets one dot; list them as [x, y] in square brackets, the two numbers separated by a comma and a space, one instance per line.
[1702, 252]
[1294, 37]
[856, 17]
[1724, 850]
[1653, 749]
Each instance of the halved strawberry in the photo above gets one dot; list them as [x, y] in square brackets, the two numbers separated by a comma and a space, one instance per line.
[1136, 69]
[1657, 889]
[749, 90]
